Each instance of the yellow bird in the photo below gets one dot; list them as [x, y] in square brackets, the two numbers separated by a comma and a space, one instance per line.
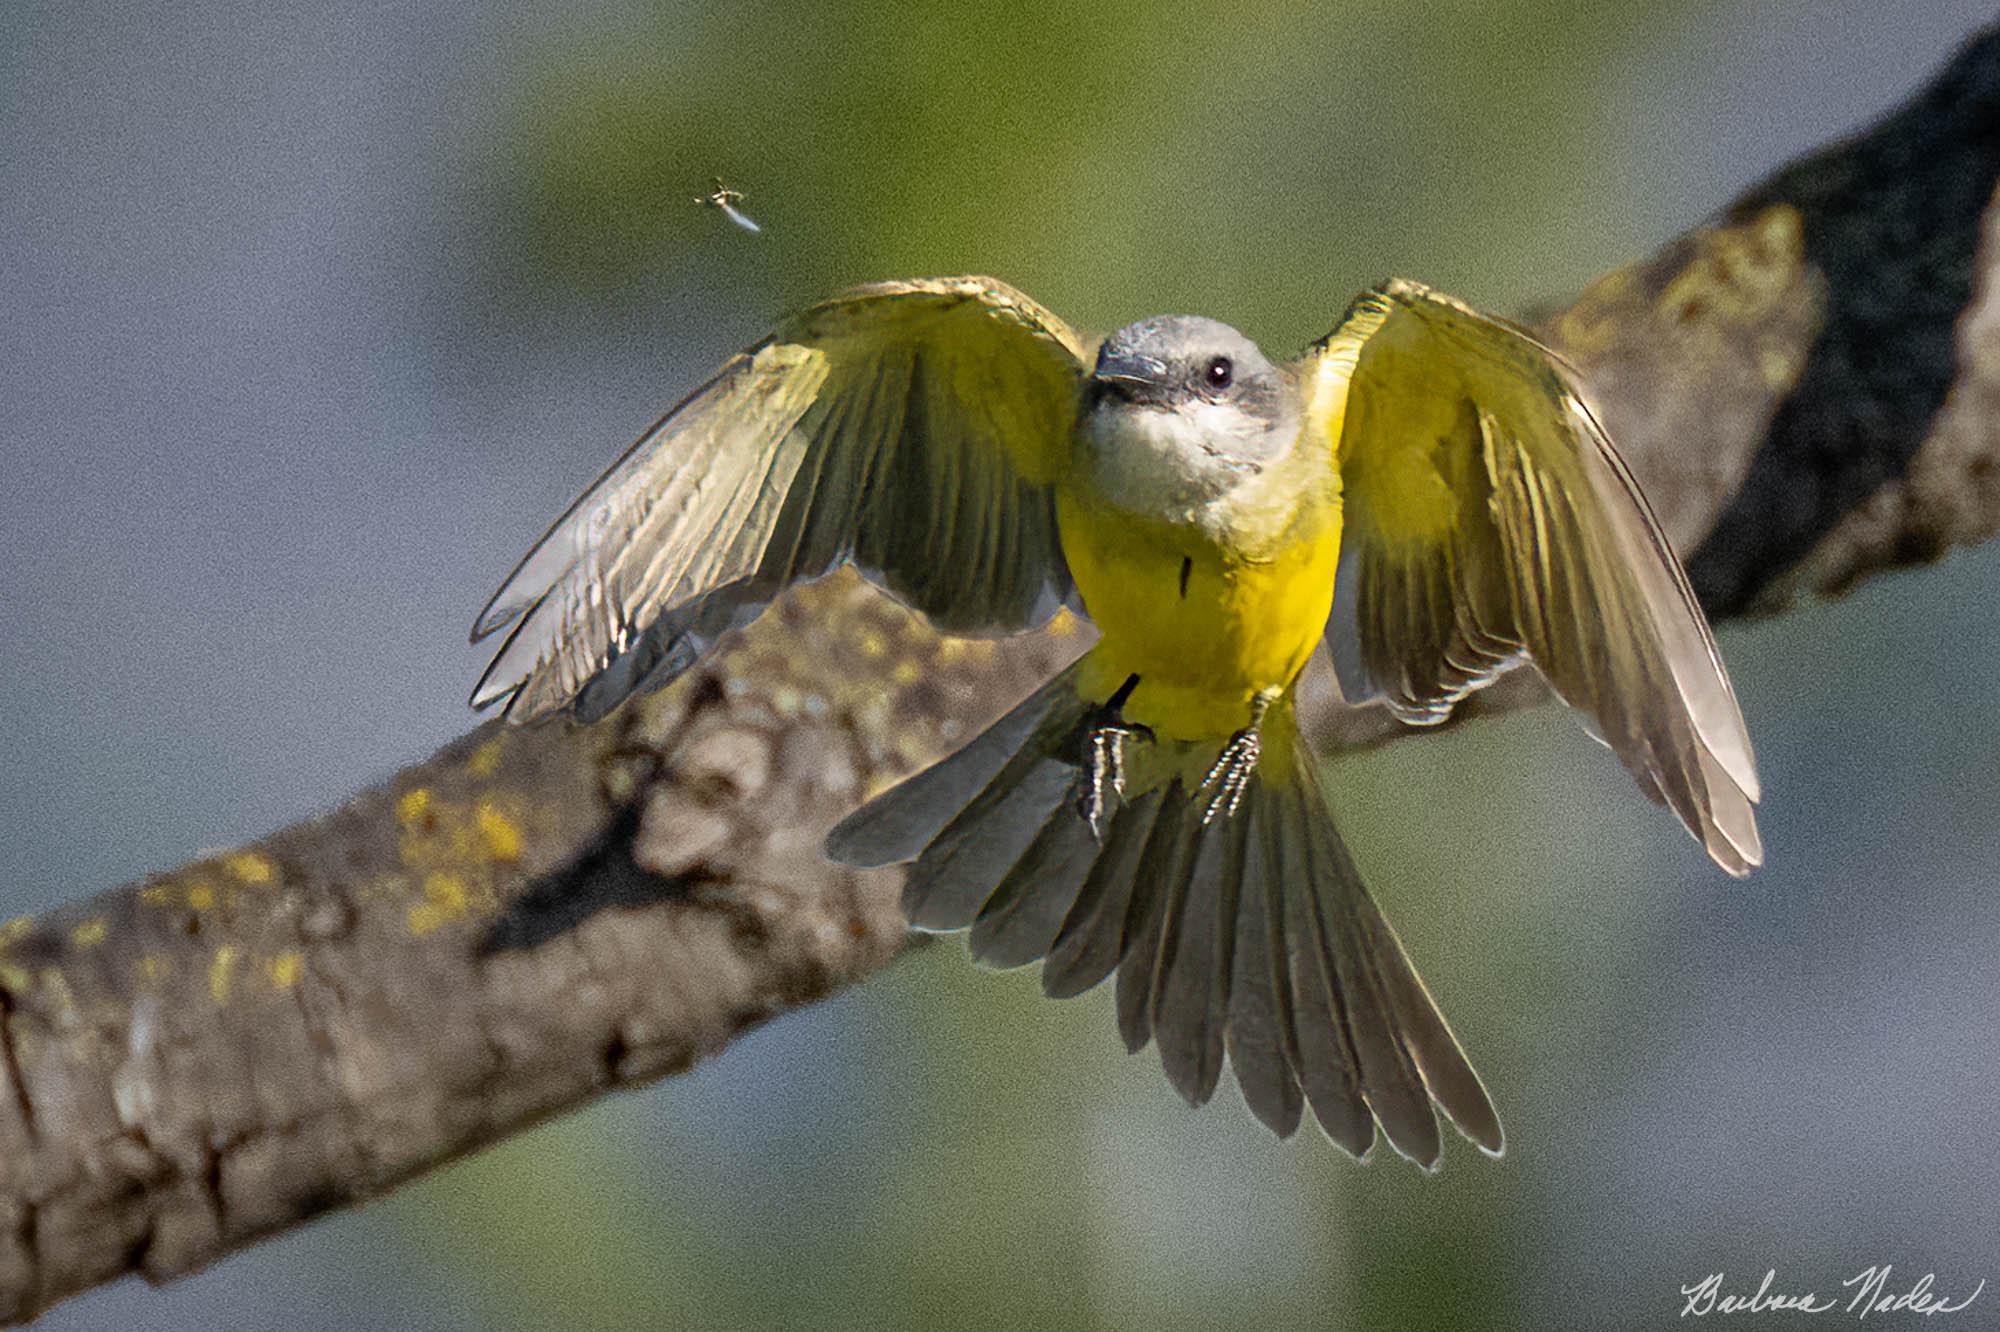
[1424, 490]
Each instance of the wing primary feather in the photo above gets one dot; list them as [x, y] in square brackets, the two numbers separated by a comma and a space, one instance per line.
[499, 682]
[1704, 685]
[549, 560]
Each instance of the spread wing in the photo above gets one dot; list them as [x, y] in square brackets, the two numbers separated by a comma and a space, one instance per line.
[913, 428]
[1489, 521]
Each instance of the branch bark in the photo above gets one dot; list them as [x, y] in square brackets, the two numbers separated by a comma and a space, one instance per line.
[1808, 387]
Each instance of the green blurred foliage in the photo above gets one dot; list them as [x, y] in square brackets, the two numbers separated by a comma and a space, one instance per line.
[1258, 161]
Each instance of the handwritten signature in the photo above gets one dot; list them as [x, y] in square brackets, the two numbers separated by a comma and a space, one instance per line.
[1869, 1289]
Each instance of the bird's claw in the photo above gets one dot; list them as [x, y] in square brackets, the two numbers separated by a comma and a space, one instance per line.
[1231, 773]
[1104, 770]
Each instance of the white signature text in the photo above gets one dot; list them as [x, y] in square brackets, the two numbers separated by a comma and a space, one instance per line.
[1866, 1292]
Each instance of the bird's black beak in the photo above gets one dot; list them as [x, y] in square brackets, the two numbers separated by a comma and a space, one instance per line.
[1130, 369]
[1131, 376]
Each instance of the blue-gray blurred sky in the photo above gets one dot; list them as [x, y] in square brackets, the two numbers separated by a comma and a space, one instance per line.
[312, 319]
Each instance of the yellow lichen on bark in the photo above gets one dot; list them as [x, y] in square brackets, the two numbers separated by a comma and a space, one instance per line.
[220, 969]
[485, 760]
[446, 898]
[285, 969]
[251, 867]
[501, 834]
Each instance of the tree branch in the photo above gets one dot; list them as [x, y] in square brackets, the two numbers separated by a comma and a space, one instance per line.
[1809, 388]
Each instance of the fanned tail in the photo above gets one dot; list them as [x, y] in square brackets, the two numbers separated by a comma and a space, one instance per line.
[1248, 938]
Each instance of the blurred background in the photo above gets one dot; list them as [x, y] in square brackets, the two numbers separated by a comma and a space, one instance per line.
[313, 319]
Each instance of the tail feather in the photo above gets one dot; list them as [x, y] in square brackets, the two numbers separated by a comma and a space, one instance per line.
[1438, 1055]
[1092, 938]
[1247, 940]
[1261, 1040]
[1019, 922]
[954, 876]
[1330, 1071]
[899, 824]
[1190, 1006]
[1157, 886]
[1339, 956]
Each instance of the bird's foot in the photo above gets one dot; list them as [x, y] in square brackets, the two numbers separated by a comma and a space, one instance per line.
[1104, 769]
[1233, 768]
[1231, 774]
[1104, 758]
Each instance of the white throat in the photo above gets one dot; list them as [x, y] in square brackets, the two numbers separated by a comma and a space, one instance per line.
[1175, 465]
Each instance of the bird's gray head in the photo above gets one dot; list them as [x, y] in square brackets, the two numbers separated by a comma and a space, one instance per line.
[1181, 409]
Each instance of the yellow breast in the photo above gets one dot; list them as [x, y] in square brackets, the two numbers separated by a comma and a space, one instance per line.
[1203, 626]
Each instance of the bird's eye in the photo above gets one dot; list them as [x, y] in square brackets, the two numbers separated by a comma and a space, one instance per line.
[1219, 372]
